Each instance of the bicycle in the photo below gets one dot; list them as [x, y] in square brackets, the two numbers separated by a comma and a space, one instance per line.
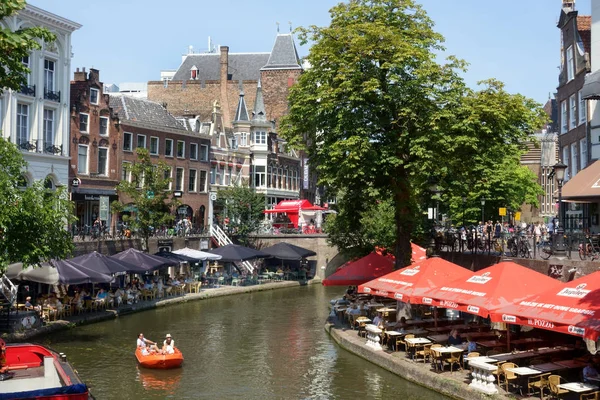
[587, 248]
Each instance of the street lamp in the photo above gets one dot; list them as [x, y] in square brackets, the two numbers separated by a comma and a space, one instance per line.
[482, 210]
[464, 200]
[559, 172]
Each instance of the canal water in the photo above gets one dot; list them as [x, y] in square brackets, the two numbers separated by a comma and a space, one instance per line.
[266, 345]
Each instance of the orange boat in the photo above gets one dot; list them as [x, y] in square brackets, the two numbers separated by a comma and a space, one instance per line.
[159, 361]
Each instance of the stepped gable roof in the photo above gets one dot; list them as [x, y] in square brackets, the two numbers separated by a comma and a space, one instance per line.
[584, 28]
[241, 66]
[284, 54]
[142, 110]
[241, 114]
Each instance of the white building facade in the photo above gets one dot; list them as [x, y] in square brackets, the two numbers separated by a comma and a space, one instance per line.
[36, 118]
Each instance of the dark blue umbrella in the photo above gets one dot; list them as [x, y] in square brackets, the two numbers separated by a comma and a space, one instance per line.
[235, 252]
[106, 265]
[286, 251]
[56, 272]
[176, 257]
[148, 261]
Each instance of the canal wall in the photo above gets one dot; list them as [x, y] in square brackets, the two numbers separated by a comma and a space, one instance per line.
[451, 385]
[104, 315]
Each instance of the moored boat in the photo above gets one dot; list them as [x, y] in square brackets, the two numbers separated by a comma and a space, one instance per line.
[36, 372]
[160, 361]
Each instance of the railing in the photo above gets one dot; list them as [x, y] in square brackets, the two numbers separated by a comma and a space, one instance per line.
[34, 146]
[51, 95]
[8, 289]
[27, 90]
[223, 240]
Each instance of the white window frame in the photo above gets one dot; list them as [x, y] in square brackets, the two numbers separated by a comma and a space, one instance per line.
[22, 129]
[126, 170]
[137, 142]
[564, 123]
[100, 126]
[92, 90]
[49, 75]
[130, 136]
[169, 175]
[243, 139]
[182, 143]
[194, 151]
[582, 109]
[87, 122]
[570, 63]
[152, 139]
[202, 186]
[583, 148]
[262, 176]
[49, 127]
[574, 164]
[105, 172]
[572, 112]
[167, 147]
[565, 160]
[179, 181]
[203, 152]
[27, 65]
[87, 159]
[193, 175]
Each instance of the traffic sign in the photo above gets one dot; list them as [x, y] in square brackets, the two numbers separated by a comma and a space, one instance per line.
[502, 211]
[150, 194]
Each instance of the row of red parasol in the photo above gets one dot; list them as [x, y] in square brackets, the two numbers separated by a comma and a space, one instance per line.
[506, 292]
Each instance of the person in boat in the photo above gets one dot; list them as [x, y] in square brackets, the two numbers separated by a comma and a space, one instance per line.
[147, 346]
[168, 345]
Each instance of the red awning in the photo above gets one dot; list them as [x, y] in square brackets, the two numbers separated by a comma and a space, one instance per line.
[411, 283]
[491, 288]
[572, 308]
[292, 206]
[418, 253]
[360, 271]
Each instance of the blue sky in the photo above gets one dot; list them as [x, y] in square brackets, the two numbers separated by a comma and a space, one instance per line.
[132, 40]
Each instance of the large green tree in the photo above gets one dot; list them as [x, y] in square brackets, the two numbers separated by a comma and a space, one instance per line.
[244, 209]
[33, 219]
[16, 45]
[148, 190]
[379, 115]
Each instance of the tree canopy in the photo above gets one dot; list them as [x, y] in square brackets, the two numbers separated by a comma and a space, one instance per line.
[148, 189]
[244, 209]
[379, 116]
[33, 219]
[16, 45]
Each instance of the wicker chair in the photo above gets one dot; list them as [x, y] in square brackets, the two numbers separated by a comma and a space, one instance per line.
[508, 375]
[553, 382]
[538, 382]
[455, 358]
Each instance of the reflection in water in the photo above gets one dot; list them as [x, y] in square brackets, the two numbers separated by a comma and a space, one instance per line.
[268, 345]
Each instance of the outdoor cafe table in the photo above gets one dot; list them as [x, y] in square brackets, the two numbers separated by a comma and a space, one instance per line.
[416, 342]
[571, 364]
[391, 338]
[442, 351]
[491, 343]
[577, 387]
[518, 342]
[524, 371]
[548, 367]
[513, 356]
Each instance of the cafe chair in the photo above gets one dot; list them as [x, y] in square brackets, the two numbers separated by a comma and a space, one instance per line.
[537, 382]
[403, 341]
[508, 375]
[436, 356]
[498, 372]
[455, 358]
[425, 353]
[553, 382]
[589, 396]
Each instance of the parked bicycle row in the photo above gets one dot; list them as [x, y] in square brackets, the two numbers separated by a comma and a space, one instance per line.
[123, 231]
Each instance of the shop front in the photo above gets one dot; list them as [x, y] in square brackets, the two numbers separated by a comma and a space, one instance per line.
[91, 204]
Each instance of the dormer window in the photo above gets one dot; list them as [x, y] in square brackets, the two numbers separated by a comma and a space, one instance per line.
[194, 73]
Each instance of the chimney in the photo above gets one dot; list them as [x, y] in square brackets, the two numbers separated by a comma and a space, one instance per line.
[94, 75]
[223, 83]
[568, 6]
[80, 76]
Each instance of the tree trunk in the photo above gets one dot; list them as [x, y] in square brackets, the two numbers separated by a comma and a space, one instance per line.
[403, 218]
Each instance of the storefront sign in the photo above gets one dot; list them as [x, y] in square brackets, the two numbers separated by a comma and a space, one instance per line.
[204, 244]
[75, 182]
[177, 193]
[305, 173]
[165, 243]
[91, 197]
[104, 208]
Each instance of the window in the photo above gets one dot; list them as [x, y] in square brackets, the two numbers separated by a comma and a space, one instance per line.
[583, 147]
[259, 176]
[179, 179]
[139, 180]
[221, 177]
[582, 109]
[180, 149]
[168, 173]
[22, 123]
[127, 141]
[48, 127]
[126, 172]
[213, 175]
[83, 122]
[104, 126]
[243, 139]
[94, 93]
[574, 159]
[192, 180]
[260, 137]
[82, 159]
[141, 141]
[48, 76]
[25, 62]
[203, 152]
[193, 151]
[573, 113]
[563, 116]
[226, 176]
[102, 160]
[570, 64]
[202, 183]
[565, 155]
[234, 142]
[169, 147]
[153, 145]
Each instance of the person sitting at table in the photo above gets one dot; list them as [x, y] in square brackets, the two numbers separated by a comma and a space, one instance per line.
[454, 338]
[28, 305]
[401, 325]
[471, 345]
[378, 320]
[590, 375]
[101, 296]
[76, 301]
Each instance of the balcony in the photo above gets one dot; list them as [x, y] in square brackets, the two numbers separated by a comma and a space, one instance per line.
[38, 146]
[52, 96]
[27, 145]
[27, 90]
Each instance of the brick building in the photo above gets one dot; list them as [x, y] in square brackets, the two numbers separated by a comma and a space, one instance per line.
[95, 151]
